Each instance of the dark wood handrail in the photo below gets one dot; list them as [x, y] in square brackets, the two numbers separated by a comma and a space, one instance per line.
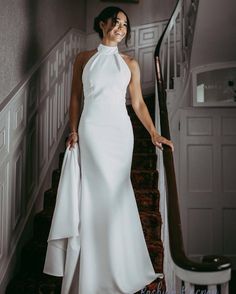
[209, 263]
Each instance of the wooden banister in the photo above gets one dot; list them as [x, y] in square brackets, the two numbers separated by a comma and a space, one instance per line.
[209, 264]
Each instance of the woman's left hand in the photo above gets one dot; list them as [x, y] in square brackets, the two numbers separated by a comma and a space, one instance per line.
[158, 141]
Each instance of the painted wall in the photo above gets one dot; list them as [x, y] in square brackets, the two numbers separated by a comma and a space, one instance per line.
[145, 12]
[214, 37]
[28, 29]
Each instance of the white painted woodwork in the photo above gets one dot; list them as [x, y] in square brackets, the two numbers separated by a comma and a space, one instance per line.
[31, 126]
[207, 181]
[4, 212]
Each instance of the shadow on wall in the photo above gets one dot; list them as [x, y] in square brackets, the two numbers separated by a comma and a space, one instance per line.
[32, 53]
[32, 47]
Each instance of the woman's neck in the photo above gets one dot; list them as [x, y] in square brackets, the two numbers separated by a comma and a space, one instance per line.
[108, 43]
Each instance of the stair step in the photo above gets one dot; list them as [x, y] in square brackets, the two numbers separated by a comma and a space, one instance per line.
[158, 286]
[151, 223]
[144, 145]
[49, 199]
[140, 132]
[32, 283]
[33, 256]
[147, 199]
[50, 285]
[61, 157]
[144, 179]
[23, 284]
[156, 251]
[42, 223]
[150, 102]
[55, 178]
[144, 161]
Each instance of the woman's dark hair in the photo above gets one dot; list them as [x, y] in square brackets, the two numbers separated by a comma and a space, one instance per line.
[104, 15]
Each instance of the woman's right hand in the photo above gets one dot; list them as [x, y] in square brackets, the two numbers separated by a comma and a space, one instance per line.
[72, 139]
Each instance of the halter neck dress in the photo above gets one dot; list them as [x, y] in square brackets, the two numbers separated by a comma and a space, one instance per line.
[112, 253]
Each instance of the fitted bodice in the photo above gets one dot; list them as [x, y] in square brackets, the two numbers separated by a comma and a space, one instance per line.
[106, 76]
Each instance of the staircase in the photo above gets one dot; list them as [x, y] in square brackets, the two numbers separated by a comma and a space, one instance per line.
[144, 176]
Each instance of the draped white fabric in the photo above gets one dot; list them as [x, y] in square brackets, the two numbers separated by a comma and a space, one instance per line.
[96, 241]
[64, 239]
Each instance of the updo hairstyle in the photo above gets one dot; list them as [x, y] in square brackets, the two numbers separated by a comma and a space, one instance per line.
[104, 15]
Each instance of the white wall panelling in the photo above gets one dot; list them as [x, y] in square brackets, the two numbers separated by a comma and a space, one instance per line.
[68, 78]
[207, 186]
[31, 163]
[43, 133]
[60, 104]
[31, 127]
[147, 69]
[17, 190]
[141, 46]
[52, 130]
[44, 80]
[53, 67]
[18, 116]
[4, 221]
[32, 93]
[4, 134]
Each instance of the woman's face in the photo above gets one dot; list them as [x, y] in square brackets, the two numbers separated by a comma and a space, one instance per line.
[115, 32]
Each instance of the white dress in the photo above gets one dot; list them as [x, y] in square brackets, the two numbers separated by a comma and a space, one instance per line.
[102, 250]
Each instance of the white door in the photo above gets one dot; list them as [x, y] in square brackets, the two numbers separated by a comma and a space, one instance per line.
[207, 182]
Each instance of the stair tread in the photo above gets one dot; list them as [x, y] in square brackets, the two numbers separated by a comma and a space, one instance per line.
[43, 214]
[144, 154]
[146, 190]
[144, 171]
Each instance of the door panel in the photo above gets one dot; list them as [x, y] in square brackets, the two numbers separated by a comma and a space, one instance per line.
[207, 184]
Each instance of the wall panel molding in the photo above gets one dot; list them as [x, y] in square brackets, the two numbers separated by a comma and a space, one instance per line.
[32, 123]
[207, 181]
[4, 134]
[4, 208]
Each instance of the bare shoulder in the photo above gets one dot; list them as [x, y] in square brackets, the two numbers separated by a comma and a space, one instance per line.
[131, 62]
[83, 56]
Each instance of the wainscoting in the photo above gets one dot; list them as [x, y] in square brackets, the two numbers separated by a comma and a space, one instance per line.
[32, 124]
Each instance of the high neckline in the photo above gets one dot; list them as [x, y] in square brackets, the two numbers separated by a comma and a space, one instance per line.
[105, 49]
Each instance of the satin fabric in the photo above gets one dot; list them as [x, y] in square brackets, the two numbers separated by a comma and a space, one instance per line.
[100, 249]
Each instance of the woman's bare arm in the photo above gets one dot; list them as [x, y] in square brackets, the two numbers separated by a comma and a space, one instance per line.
[75, 100]
[140, 107]
[76, 93]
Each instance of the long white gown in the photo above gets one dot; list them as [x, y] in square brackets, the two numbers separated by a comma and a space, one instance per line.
[96, 241]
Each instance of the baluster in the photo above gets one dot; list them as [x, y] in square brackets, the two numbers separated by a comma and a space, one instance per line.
[163, 59]
[189, 288]
[178, 285]
[175, 49]
[212, 289]
[168, 61]
[224, 288]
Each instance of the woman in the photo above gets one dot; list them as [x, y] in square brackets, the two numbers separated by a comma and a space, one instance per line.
[113, 258]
